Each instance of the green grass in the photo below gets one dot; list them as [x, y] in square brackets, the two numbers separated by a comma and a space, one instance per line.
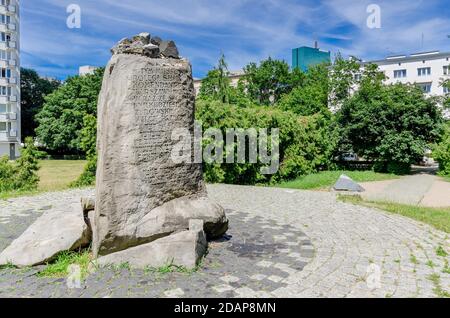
[54, 175]
[439, 218]
[326, 179]
[59, 268]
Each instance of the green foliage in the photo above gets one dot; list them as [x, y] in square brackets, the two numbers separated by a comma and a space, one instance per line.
[60, 267]
[306, 143]
[342, 79]
[310, 95]
[392, 125]
[88, 145]
[33, 89]
[216, 84]
[442, 153]
[268, 81]
[62, 117]
[20, 175]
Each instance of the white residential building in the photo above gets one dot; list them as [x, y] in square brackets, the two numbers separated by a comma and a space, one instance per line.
[86, 70]
[10, 135]
[234, 77]
[424, 69]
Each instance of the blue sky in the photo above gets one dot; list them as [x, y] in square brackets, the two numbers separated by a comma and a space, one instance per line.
[244, 30]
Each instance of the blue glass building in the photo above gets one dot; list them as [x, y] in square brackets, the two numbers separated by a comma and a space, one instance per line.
[305, 57]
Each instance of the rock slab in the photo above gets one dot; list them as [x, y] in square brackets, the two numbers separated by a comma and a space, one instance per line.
[345, 183]
[52, 233]
[184, 248]
[141, 194]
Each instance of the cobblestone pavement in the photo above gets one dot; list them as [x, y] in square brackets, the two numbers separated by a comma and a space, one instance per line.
[281, 243]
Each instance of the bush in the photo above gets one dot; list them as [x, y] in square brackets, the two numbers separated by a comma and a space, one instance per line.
[306, 143]
[20, 175]
[442, 153]
[88, 145]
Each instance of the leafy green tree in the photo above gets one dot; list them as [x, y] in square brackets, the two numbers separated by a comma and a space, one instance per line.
[342, 79]
[89, 146]
[61, 119]
[268, 81]
[33, 90]
[311, 94]
[216, 84]
[442, 152]
[392, 125]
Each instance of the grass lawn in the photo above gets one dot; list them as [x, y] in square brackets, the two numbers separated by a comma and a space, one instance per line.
[436, 217]
[55, 175]
[58, 174]
[326, 179]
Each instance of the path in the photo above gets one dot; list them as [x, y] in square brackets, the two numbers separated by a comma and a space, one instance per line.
[420, 189]
[283, 243]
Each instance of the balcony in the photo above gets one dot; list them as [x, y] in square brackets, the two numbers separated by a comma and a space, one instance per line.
[13, 133]
[12, 44]
[12, 98]
[12, 116]
[12, 62]
[11, 9]
[4, 64]
[12, 26]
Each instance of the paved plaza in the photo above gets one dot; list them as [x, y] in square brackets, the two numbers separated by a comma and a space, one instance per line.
[281, 243]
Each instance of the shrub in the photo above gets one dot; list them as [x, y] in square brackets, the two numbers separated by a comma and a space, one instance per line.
[20, 175]
[306, 143]
[442, 153]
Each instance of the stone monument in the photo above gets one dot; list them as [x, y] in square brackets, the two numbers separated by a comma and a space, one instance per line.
[149, 210]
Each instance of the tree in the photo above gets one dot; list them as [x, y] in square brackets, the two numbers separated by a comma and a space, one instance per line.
[216, 85]
[33, 90]
[61, 119]
[267, 82]
[310, 96]
[391, 125]
[442, 152]
[342, 79]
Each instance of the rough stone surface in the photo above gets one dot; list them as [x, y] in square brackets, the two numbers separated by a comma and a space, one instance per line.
[52, 233]
[144, 44]
[345, 183]
[142, 195]
[169, 49]
[184, 248]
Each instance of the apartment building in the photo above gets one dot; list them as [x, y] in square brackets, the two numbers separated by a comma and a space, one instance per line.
[10, 137]
[426, 70]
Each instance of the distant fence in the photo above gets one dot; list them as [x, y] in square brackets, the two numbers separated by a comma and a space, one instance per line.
[355, 165]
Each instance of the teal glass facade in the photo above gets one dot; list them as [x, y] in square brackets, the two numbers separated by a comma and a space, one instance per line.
[305, 57]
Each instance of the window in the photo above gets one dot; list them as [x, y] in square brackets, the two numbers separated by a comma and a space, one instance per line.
[446, 90]
[357, 77]
[2, 126]
[426, 87]
[5, 91]
[446, 70]
[5, 2]
[5, 19]
[4, 55]
[3, 109]
[5, 73]
[424, 71]
[400, 74]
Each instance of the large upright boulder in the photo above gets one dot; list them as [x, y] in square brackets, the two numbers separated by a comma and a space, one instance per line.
[142, 194]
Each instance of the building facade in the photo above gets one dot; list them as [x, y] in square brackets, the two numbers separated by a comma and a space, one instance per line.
[306, 57]
[86, 70]
[10, 134]
[234, 77]
[426, 70]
